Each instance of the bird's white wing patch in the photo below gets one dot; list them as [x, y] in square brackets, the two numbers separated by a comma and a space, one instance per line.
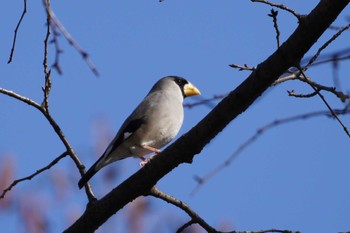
[126, 135]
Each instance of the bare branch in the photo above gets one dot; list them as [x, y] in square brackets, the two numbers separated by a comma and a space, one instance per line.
[256, 135]
[206, 102]
[292, 93]
[21, 98]
[343, 97]
[280, 6]
[334, 37]
[269, 231]
[58, 49]
[236, 102]
[273, 15]
[47, 87]
[155, 192]
[333, 58]
[184, 226]
[317, 90]
[16, 31]
[70, 39]
[244, 67]
[58, 131]
[14, 183]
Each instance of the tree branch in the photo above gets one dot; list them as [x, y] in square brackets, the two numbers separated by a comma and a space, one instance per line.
[69, 38]
[310, 28]
[273, 15]
[155, 192]
[259, 132]
[280, 6]
[16, 31]
[14, 183]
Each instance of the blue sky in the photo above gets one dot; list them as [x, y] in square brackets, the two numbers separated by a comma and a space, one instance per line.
[295, 176]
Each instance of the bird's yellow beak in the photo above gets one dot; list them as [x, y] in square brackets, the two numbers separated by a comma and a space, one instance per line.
[190, 90]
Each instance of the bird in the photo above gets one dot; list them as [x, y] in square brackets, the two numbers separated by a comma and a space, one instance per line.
[152, 125]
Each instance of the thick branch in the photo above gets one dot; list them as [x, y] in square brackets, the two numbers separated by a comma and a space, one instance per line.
[183, 150]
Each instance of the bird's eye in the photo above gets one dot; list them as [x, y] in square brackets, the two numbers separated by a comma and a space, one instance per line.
[179, 81]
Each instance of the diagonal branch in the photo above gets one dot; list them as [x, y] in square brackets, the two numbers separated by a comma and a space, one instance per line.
[317, 90]
[325, 45]
[14, 183]
[259, 132]
[69, 38]
[57, 130]
[16, 31]
[280, 6]
[187, 146]
[195, 218]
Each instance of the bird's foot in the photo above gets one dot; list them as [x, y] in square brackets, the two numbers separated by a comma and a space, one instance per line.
[146, 160]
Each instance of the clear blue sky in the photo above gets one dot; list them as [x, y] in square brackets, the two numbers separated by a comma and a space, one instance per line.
[295, 176]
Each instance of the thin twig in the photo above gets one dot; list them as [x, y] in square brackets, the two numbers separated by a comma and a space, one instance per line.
[185, 225]
[21, 98]
[16, 31]
[325, 45]
[203, 101]
[57, 130]
[70, 39]
[155, 192]
[244, 67]
[280, 6]
[14, 183]
[269, 231]
[298, 76]
[256, 135]
[334, 58]
[290, 76]
[316, 89]
[58, 49]
[273, 15]
[292, 93]
[47, 86]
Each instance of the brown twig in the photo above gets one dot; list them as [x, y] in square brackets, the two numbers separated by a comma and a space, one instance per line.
[343, 97]
[155, 192]
[292, 93]
[16, 31]
[57, 130]
[185, 225]
[273, 15]
[256, 135]
[280, 6]
[58, 49]
[70, 39]
[269, 231]
[317, 90]
[14, 183]
[325, 45]
[47, 86]
[203, 101]
[244, 67]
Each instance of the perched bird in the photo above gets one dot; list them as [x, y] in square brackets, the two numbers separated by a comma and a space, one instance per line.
[152, 125]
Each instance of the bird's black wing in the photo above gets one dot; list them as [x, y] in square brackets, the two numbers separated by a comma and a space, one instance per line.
[124, 133]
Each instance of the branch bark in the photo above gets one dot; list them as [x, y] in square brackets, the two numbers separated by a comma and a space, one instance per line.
[310, 28]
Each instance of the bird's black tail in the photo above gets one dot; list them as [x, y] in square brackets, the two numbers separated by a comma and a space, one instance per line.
[90, 173]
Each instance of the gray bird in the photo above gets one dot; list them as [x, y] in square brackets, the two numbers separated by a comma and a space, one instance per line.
[152, 125]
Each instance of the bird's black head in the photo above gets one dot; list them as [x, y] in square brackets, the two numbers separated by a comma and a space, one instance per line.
[181, 82]
[187, 88]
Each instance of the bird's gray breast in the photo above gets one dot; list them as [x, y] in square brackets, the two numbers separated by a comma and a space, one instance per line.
[163, 121]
